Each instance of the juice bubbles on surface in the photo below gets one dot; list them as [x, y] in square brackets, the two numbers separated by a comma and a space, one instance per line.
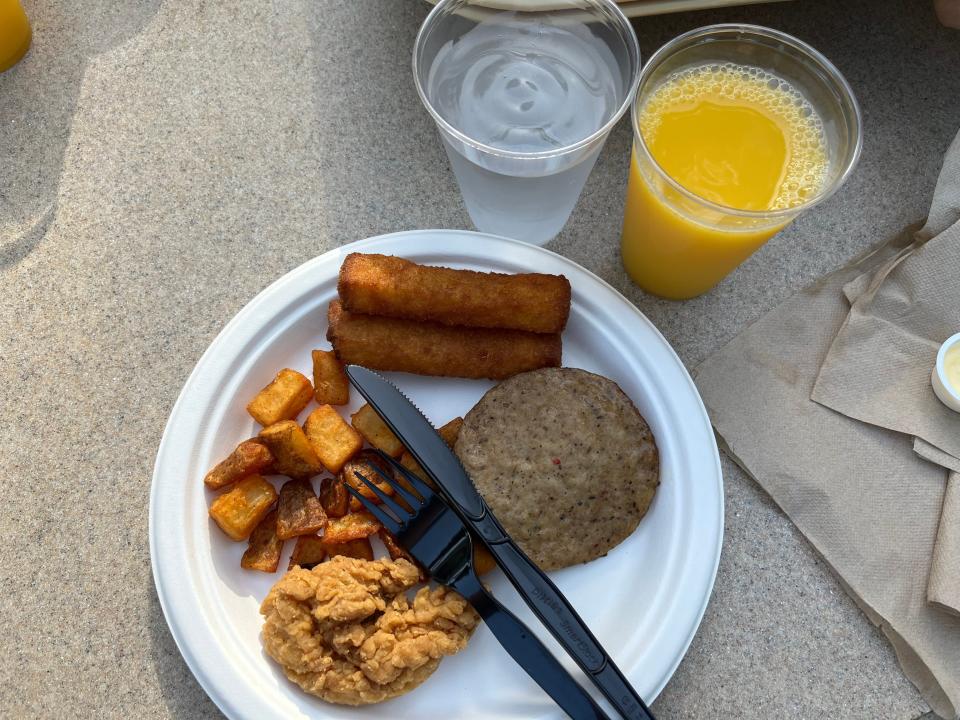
[734, 138]
[15, 33]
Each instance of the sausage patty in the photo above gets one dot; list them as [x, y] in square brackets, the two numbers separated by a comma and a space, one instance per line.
[565, 461]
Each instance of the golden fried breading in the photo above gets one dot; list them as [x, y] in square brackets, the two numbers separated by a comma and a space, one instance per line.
[345, 632]
[394, 287]
[422, 348]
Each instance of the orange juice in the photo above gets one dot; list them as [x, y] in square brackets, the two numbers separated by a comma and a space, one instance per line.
[14, 33]
[736, 137]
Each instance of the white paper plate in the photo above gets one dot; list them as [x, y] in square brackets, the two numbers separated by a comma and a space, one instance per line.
[644, 600]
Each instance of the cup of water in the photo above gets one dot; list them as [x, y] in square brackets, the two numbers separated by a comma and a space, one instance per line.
[524, 95]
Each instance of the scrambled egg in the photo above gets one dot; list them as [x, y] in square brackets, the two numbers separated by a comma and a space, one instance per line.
[346, 632]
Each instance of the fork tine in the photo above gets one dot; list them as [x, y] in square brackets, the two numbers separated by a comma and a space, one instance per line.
[388, 522]
[419, 485]
[411, 499]
[400, 512]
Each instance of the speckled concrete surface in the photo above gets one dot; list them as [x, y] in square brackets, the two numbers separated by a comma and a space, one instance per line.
[164, 161]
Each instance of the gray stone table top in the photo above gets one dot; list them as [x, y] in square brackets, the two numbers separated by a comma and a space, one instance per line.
[161, 162]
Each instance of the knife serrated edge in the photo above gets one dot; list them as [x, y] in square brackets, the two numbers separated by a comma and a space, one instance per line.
[462, 505]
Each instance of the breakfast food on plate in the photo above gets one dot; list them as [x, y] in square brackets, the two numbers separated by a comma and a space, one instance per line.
[364, 463]
[332, 439]
[239, 510]
[334, 497]
[251, 457]
[564, 460]
[359, 548]
[346, 632]
[330, 383]
[293, 454]
[352, 526]
[383, 343]
[282, 399]
[375, 431]
[299, 511]
[394, 287]
[308, 552]
[263, 551]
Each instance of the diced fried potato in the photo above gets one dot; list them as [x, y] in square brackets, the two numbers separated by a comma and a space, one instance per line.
[363, 463]
[350, 527]
[282, 399]
[396, 550]
[334, 497]
[451, 431]
[251, 457]
[308, 552]
[375, 431]
[360, 548]
[413, 466]
[299, 512]
[330, 383]
[393, 547]
[263, 552]
[239, 510]
[332, 439]
[483, 561]
[293, 454]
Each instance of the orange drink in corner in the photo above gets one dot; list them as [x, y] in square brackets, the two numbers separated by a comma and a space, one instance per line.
[735, 132]
[15, 33]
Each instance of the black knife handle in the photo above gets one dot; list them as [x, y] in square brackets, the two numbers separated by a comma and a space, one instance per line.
[558, 615]
[529, 653]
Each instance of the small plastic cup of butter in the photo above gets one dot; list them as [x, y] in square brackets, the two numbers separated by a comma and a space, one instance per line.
[946, 373]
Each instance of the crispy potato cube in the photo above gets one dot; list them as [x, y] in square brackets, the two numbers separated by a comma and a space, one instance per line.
[375, 431]
[350, 527]
[292, 452]
[282, 399]
[333, 441]
[413, 466]
[251, 457]
[330, 383]
[360, 548]
[239, 510]
[363, 463]
[334, 497]
[483, 561]
[299, 512]
[451, 431]
[263, 553]
[308, 552]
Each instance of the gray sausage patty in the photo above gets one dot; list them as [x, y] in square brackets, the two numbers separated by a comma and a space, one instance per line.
[564, 460]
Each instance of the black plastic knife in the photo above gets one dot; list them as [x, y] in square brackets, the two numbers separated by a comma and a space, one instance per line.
[537, 590]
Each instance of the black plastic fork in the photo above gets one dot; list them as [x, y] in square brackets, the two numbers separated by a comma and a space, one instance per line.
[436, 538]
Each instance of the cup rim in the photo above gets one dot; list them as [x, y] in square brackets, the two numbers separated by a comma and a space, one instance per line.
[756, 30]
[628, 101]
[941, 372]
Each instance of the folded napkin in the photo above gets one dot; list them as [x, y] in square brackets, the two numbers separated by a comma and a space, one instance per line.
[878, 367]
[858, 491]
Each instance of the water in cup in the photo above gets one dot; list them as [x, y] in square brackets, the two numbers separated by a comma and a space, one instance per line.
[521, 88]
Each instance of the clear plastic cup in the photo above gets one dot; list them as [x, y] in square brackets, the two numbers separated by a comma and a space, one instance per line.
[678, 245]
[523, 101]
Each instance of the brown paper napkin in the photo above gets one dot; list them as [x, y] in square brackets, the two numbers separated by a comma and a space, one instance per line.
[859, 492]
[878, 367]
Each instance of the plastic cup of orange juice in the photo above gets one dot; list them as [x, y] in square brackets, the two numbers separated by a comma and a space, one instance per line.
[737, 130]
[15, 33]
